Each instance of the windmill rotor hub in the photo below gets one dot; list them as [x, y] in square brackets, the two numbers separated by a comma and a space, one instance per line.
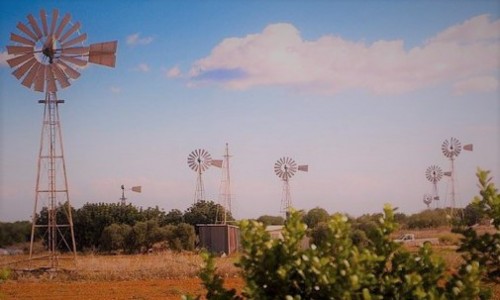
[451, 147]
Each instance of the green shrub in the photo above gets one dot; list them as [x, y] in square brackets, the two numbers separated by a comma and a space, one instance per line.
[336, 268]
[484, 248]
[449, 239]
[4, 274]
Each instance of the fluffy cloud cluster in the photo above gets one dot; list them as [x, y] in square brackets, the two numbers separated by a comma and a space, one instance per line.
[142, 67]
[464, 55]
[136, 39]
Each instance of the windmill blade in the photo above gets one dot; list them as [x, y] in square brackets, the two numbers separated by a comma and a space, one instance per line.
[35, 27]
[74, 74]
[24, 68]
[51, 82]
[43, 17]
[40, 78]
[28, 80]
[27, 31]
[74, 60]
[17, 38]
[75, 41]
[303, 168]
[70, 31]
[55, 14]
[63, 24]
[75, 50]
[216, 163]
[19, 59]
[468, 147]
[60, 76]
[19, 49]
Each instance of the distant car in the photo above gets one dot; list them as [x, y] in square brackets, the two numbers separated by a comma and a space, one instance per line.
[410, 240]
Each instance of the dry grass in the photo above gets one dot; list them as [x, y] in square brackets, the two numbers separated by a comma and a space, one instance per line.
[164, 265]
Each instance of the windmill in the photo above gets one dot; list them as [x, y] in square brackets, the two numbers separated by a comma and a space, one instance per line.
[451, 148]
[45, 58]
[137, 189]
[434, 175]
[285, 168]
[427, 200]
[199, 161]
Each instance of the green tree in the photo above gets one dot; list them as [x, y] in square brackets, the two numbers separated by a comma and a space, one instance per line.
[315, 216]
[429, 218]
[13, 233]
[183, 237]
[174, 217]
[205, 212]
[473, 214]
[271, 220]
[113, 237]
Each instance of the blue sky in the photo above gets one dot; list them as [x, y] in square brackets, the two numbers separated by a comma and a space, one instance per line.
[365, 92]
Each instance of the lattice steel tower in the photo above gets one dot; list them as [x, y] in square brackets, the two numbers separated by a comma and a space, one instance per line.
[225, 185]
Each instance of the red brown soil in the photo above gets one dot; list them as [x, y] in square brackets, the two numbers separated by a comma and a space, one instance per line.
[136, 289]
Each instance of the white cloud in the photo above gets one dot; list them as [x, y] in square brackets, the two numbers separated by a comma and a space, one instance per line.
[472, 30]
[136, 39]
[280, 56]
[115, 90]
[476, 84]
[143, 68]
[173, 72]
[3, 58]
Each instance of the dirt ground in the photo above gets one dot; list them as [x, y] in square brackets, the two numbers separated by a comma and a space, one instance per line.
[136, 289]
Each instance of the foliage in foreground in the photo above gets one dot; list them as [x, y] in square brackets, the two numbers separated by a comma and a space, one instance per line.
[338, 268]
[484, 248]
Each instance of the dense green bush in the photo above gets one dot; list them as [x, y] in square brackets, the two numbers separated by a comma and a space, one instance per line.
[429, 218]
[338, 267]
[271, 220]
[143, 235]
[16, 232]
[483, 248]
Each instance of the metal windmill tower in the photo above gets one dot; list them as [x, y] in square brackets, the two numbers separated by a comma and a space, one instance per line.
[45, 58]
[199, 161]
[225, 185]
[285, 168]
[434, 175]
[451, 149]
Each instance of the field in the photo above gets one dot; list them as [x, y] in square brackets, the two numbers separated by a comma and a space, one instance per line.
[165, 275]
